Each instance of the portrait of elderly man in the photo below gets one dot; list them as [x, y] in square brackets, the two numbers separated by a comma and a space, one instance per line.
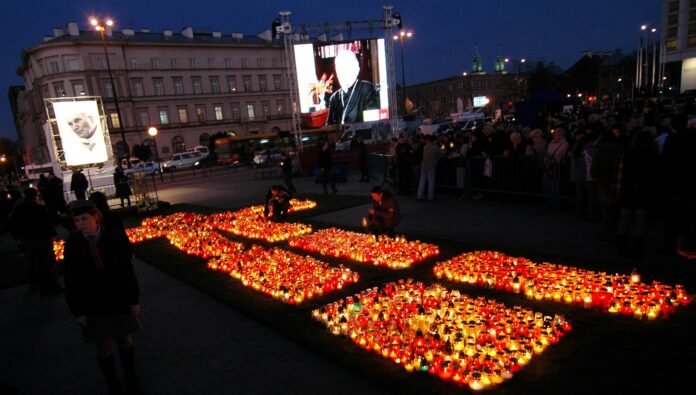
[347, 104]
[81, 133]
[84, 126]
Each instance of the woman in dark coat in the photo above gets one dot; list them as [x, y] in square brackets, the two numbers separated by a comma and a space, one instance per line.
[102, 292]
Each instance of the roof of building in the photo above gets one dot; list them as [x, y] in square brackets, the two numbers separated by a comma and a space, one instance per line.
[162, 38]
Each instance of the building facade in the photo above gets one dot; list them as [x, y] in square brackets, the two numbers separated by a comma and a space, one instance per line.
[679, 44]
[450, 95]
[189, 85]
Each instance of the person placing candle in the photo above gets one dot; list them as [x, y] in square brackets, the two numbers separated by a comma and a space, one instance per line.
[384, 215]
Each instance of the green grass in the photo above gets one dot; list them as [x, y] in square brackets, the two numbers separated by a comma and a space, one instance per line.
[601, 354]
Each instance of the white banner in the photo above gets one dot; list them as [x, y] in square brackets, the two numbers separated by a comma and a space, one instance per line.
[80, 132]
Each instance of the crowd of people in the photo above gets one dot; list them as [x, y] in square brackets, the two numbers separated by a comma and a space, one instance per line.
[625, 166]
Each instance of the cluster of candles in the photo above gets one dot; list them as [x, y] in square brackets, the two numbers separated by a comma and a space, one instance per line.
[395, 253]
[475, 342]
[258, 227]
[620, 294]
[284, 275]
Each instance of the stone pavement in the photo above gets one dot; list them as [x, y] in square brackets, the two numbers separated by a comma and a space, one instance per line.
[191, 343]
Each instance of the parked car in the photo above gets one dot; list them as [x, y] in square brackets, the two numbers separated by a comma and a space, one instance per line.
[184, 160]
[133, 161]
[200, 148]
[145, 168]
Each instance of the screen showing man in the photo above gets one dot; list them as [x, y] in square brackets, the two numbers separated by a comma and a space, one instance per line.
[344, 82]
[355, 96]
[81, 134]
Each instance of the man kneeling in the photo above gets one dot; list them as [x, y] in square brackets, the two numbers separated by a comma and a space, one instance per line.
[384, 215]
[277, 203]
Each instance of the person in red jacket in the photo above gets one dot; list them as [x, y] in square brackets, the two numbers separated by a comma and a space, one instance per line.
[102, 291]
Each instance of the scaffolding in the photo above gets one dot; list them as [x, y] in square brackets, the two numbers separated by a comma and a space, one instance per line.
[304, 31]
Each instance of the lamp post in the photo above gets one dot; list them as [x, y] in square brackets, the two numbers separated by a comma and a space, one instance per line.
[152, 131]
[100, 26]
[403, 34]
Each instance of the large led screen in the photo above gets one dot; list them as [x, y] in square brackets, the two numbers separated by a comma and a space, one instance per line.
[349, 79]
[81, 132]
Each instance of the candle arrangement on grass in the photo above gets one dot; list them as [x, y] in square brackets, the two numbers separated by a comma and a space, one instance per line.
[392, 252]
[284, 275]
[620, 294]
[475, 342]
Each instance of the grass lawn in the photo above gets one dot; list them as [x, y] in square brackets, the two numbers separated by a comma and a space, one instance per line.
[602, 353]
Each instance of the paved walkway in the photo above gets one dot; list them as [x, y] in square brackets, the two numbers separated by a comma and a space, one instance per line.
[191, 343]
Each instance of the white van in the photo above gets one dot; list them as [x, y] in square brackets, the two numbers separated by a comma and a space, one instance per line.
[183, 160]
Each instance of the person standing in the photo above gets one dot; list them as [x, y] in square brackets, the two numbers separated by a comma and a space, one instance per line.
[362, 159]
[32, 228]
[404, 165]
[431, 155]
[326, 167]
[102, 292]
[286, 168]
[79, 185]
[123, 190]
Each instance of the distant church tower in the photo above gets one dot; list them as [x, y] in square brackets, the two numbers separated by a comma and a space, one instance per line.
[476, 64]
[499, 62]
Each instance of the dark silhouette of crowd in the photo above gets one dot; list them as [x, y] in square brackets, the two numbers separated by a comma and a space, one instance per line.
[622, 168]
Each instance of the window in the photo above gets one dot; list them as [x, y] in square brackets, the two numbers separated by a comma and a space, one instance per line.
[214, 85]
[164, 116]
[266, 108]
[159, 86]
[107, 88]
[277, 83]
[78, 89]
[259, 62]
[103, 63]
[280, 107]
[244, 63]
[692, 28]
[113, 118]
[183, 114]
[250, 111]
[200, 113]
[178, 145]
[231, 84]
[143, 117]
[137, 86]
[674, 6]
[671, 45]
[193, 63]
[132, 63]
[154, 63]
[178, 86]
[218, 112]
[228, 63]
[247, 83]
[59, 89]
[165, 149]
[690, 42]
[174, 63]
[73, 64]
[53, 66]
[276, 62]
[235, 111]
[263, 87]
[211, 62]
[196, 83]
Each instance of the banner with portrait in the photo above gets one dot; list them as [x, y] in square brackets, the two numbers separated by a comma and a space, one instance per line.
[81, 132]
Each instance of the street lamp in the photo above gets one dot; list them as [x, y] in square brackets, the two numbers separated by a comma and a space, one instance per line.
[101, 27]
[403, 34]
[152, 131]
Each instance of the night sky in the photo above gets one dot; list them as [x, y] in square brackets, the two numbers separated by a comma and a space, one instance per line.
[443, 45]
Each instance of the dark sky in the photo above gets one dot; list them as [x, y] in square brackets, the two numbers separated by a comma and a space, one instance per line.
[443, 45]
